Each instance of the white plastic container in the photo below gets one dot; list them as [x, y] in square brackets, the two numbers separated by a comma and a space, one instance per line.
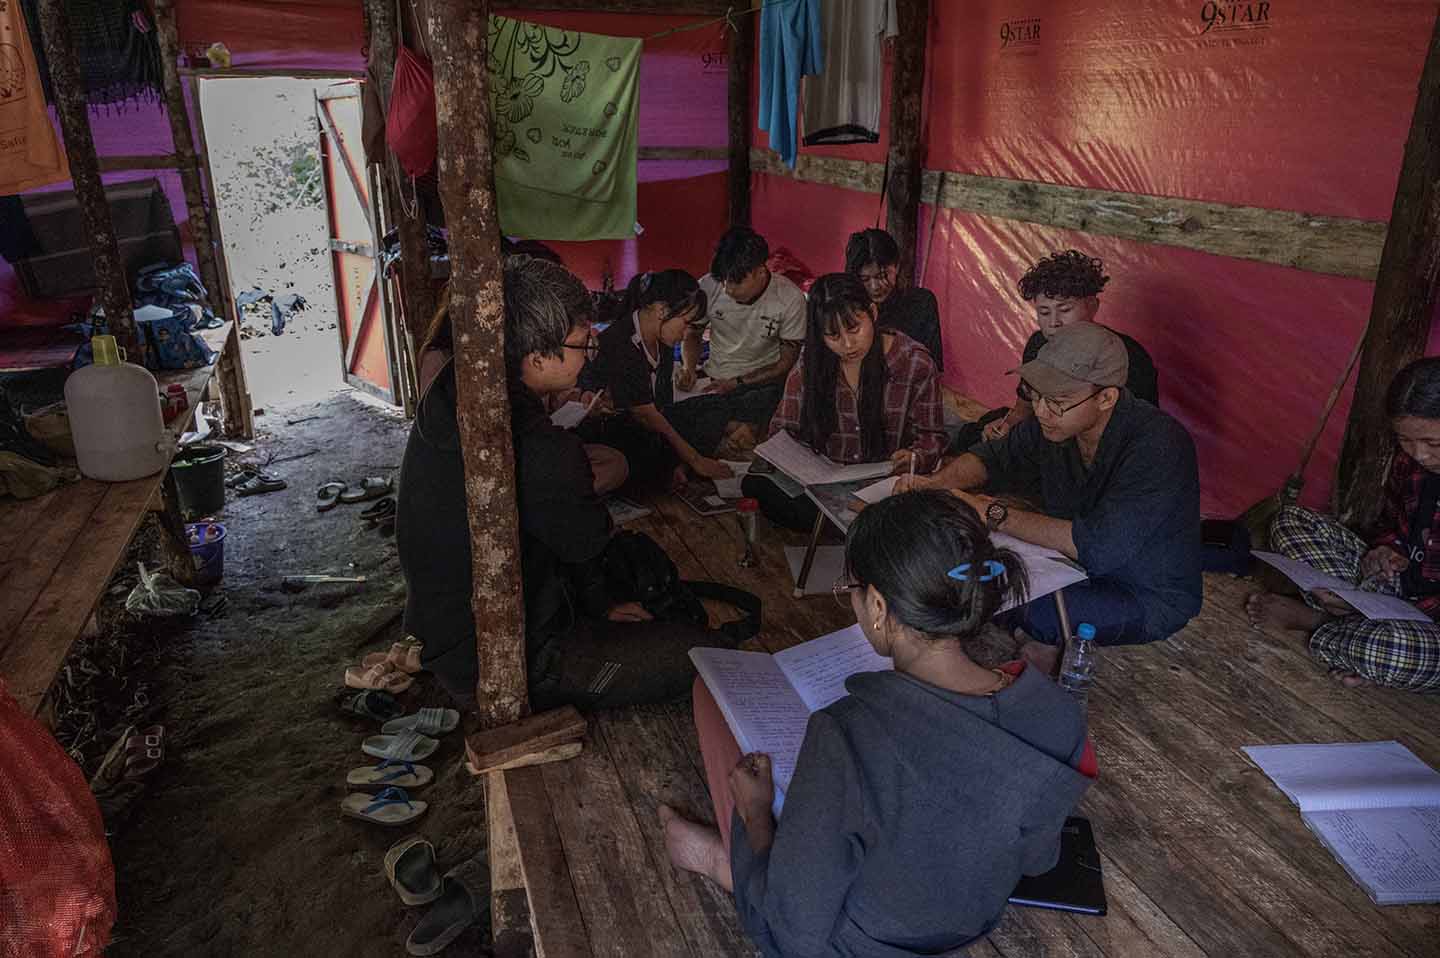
[115, 418]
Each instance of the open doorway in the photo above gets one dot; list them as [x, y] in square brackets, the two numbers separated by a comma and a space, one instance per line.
[263, 143]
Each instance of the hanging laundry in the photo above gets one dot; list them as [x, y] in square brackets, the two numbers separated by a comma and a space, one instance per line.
[30, 156]
[842, 104]
[791, 46]
[116, 47]
[566, 134]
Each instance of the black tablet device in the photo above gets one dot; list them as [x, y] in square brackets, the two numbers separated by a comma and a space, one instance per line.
[1075, 883]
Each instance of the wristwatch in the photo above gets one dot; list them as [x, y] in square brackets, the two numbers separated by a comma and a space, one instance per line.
[995, 515]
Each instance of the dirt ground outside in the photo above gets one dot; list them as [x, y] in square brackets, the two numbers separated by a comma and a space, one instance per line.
[237, 846]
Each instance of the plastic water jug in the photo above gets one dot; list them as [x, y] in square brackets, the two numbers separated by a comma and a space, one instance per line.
[115, 418]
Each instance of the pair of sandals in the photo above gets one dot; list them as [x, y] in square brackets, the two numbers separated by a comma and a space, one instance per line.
[393, 671]
[456, 898]
[382, 796]
[254, 482]
[336, 491]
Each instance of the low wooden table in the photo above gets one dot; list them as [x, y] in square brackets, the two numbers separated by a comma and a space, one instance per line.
[58, 552]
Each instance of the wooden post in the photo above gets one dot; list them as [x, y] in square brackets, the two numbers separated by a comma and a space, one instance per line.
[1405, 297]
[72, 109]
[458, 31]
[907, 87]
[186, 159]
[742, 61]
[417, 296]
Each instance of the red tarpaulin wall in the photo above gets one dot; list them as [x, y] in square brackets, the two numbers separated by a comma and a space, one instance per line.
[681, 205]
[1304, 108]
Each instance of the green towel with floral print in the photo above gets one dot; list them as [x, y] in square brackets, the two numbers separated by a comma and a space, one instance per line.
[565, 107]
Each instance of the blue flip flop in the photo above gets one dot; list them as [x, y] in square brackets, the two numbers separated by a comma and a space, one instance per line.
[390, 807]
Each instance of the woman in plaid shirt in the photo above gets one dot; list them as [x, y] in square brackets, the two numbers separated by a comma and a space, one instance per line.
[857, 394]
[1402, 559]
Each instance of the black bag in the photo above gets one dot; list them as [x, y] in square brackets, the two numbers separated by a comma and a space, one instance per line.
[637, 569]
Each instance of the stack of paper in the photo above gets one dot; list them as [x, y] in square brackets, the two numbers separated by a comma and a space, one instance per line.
[805, 467]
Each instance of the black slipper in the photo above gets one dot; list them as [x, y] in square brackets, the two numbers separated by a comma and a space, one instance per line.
[382, 509]
[460, 904]
[374, 704]
[258, 482]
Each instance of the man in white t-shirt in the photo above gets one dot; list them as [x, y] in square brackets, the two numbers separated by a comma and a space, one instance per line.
[757, 326]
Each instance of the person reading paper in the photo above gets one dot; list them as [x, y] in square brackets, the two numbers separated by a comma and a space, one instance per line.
[919, 799]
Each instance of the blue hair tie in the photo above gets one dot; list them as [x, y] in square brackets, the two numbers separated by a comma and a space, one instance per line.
[993, 570]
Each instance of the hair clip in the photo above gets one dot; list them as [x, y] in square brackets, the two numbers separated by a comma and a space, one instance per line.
[993, 570]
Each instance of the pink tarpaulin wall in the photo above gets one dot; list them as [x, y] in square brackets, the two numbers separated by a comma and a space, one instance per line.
[681, 205]
[1304, 108]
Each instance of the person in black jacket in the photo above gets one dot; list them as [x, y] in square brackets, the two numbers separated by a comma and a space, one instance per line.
[582, 646]
[873, 256]
[919, 799]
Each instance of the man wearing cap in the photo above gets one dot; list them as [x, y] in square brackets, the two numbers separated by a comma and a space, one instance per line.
[1118, 484]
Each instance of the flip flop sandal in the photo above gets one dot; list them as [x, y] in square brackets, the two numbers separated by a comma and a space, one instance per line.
[405, 747]
[410, 866]
[403, 656]
[146, 739]
[259, 483]
[428, 721]
[238, 478]
[383, 677]
[141, 762]
[371, 487]
[328, 496]
[372, 704]
[459, 905]
[390, 807]
[375, 778]
[382, 509]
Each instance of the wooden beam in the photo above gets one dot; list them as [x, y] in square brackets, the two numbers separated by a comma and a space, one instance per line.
[741, 66]
[496, 748]
[72, 110]
[121, 164]
[457, 31]
[686, 153]
[510, 936]
[189, 162]
[1400, 313]
[555, 913]
[417, 294]
[1333, 245]
[907, 89]
[668, 7]
[242, 74]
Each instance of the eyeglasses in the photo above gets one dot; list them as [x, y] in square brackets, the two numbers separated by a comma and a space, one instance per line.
[841, 591]
[1053, 407]
[591, 347]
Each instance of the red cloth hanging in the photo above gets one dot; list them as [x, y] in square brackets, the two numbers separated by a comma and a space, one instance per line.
[410, 125]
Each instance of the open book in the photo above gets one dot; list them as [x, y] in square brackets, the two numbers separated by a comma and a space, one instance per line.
[1375, 805]
[1372, 605]
[767, 699]
[791, 457]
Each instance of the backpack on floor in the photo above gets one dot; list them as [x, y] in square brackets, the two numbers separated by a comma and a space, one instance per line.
[637, 569]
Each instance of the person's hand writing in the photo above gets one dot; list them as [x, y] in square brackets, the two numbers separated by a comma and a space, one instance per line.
[628, 612]
[997, 429]
[753, 787]
[1382, 560]
[1332, 603]
[685, 378]
[711, 468]
[911, 484]
[901, 461]
[721, 386]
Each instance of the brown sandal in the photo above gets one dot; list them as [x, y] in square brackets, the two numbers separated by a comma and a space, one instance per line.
[384, 677]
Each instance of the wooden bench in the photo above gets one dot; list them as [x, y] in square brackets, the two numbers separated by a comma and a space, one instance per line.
[58, 552]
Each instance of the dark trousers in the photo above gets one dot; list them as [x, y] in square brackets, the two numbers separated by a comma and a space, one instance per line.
[796, 513]
[649, 456]
[702, 420]
[1111, 607]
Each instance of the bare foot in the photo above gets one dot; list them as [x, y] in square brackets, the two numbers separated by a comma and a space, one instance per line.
[695, 847]
[1044, 657]
[1351, 680]
[1267, 610]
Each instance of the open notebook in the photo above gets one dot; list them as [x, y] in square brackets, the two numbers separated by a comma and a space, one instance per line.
[767, 699]
[1372, 605]
[1375, 805]
[791, 457]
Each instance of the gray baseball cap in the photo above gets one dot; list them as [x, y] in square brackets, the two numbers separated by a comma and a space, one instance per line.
[1076, 356]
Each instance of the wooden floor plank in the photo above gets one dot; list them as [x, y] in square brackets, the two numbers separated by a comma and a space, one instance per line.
[655, 766]
[509, 908]
[1134, 926]
[560, 930]
[1030, 933]
[17, 518]
[622, 898]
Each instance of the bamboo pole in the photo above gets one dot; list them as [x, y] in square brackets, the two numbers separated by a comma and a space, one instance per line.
[72, 109]
[188, 160]
[458, 36]
[1400, 313]
[907, 86]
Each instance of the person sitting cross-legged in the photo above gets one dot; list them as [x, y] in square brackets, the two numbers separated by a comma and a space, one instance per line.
[1402, 557]
[1118, 488]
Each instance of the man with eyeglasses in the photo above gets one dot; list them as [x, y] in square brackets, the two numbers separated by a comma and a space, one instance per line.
[1118, 488]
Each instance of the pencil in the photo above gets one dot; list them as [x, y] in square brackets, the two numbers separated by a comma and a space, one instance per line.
[912, 463]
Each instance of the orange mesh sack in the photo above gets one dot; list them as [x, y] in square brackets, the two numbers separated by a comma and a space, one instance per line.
[57, 884]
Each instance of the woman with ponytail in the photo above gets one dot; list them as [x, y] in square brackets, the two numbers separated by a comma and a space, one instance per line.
[857, 394]
[921, 798]
[635, 369]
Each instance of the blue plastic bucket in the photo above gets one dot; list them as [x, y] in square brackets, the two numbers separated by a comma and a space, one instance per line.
[207, 551]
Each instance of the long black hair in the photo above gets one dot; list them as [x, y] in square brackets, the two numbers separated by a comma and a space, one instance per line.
[907, 545]
[871, 246]
[1415, 390]
[836, 302]
[674, 288]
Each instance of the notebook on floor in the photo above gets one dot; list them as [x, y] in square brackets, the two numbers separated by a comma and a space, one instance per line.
[1075, 884]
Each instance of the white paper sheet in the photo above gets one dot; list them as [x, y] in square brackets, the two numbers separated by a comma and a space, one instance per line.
[829, 563]
[1393, 853]
[730, 488]
[1372, 605]
[878, 491]
[806, 468]
[817, 669]
[1348, 775]
[569, 415]
[701, 384]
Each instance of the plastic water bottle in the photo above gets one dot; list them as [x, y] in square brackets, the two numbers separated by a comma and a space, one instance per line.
[1077, 671]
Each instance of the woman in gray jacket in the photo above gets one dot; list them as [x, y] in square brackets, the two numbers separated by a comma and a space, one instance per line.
[920, 799]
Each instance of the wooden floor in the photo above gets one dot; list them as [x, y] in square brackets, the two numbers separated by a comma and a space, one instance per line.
[1202, 855]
